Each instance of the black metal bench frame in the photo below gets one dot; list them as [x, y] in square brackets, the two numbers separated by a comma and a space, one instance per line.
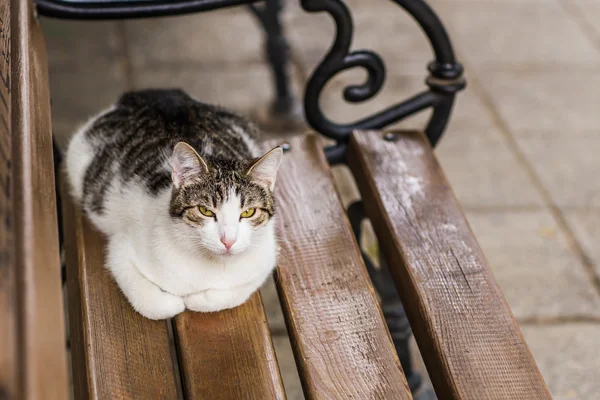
[444, 81]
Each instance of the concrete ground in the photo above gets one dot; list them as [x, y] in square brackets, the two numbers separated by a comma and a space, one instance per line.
[521, 151]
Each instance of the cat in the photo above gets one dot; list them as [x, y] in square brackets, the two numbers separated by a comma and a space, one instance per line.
[184, 198]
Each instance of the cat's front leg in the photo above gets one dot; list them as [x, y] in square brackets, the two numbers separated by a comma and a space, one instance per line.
[212, 300]
[144, 296]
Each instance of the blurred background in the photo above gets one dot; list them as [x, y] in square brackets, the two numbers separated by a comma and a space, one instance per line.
[521, 150]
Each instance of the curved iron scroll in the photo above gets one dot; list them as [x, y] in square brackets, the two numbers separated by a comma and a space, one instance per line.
[444, 81]
[445, 73]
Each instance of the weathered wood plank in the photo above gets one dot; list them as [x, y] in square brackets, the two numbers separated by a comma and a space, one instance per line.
[229, 354]
[8, 337]
[116, 353]
[340, 341]
[41, 352]
[469, 339]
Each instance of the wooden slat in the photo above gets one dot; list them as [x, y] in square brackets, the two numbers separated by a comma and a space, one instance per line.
[116, 353]
[469, 339]
[340, 341]
[228, 355]
[8, 337]
[41, 351]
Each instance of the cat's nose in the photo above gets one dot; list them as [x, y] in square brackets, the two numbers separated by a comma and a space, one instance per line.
[227, 242]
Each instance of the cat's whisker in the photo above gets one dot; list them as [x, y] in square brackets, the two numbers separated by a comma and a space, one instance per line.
[283, 240]
[281, 255]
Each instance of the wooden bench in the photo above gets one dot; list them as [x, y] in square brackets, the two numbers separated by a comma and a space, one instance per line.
[472, 346]
[33, 361]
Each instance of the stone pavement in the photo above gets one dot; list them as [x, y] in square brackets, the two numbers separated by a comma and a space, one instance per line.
[521, 151]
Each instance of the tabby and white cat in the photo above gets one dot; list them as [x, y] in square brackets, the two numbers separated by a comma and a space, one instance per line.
[187, 205]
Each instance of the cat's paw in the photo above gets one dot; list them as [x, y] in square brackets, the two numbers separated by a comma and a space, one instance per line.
[153, 303]
[212, 300]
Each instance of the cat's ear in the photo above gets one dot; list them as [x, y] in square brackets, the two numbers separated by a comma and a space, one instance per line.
[264, 170]
[186, 163]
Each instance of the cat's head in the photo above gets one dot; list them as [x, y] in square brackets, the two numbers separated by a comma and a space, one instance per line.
[226, 205]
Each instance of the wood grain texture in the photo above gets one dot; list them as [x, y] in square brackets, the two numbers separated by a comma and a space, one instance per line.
[8, 312]
[116, 353]
[229, 354]
[469, 339]
[340, 341]
[41, 351]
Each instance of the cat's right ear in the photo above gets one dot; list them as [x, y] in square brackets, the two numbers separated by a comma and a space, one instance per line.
[186, 163]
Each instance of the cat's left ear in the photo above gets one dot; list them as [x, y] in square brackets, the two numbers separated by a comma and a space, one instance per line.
[264, 170]
[186, 163]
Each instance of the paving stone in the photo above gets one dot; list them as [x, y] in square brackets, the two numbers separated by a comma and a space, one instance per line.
[242, 89]
[567, 167]
[590, 11]
[78, 94]
[586, 227]
[272, 307]
[348, 191]
[532, 34]
[469, 113]
[85, 68]
[484, 172]
[382, 27]
[557, 103]
[81, 43]
[505, 2]
[567, 356]
[287, 366]
[228, 36]
[418, 363]
[345, 185]
[540, 275]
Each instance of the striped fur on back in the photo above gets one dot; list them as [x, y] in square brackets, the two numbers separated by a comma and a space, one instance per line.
[134, 140]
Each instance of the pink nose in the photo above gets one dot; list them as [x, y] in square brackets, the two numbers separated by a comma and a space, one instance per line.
[227, 242]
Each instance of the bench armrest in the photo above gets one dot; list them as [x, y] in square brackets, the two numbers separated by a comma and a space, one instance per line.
[471, 344]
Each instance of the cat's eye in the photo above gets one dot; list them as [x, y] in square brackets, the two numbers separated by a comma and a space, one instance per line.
[206, 212]
[248, 213]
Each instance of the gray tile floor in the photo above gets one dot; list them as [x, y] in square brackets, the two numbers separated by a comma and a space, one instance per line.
[521, 150]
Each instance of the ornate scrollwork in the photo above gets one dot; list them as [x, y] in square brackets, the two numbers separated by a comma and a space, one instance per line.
[444, 81]
[445, 73]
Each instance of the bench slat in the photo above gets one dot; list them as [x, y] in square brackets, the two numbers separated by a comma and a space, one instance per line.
[469, 339]
[340, 341]
[39, 365]
[8, 292]
[116, 353]
[228, 355]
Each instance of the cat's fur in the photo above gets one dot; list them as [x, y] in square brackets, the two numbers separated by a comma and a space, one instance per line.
[142, 187]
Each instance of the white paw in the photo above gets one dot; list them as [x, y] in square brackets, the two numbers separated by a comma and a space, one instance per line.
[153, 303]
[214, 300]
